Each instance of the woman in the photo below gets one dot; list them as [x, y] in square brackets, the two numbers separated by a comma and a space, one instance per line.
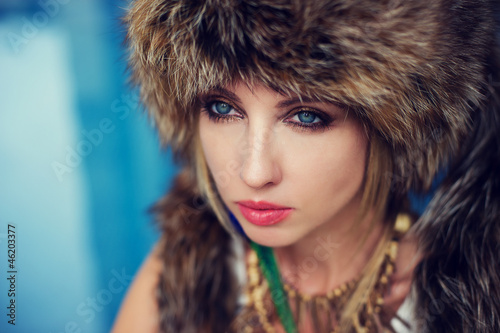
[302, 127]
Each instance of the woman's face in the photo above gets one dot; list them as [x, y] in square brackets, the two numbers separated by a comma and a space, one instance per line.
[287, 169]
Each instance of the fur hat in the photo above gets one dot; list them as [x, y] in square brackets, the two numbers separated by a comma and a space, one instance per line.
[413, 70]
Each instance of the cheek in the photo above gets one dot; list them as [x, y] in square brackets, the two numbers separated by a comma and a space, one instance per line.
[220, 148]
[332, 166]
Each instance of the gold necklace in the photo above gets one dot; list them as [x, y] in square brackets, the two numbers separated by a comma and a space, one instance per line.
[320, 308]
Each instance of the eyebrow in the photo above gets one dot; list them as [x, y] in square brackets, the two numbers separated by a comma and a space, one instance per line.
[283, 104]
[227, 93]
[295, 100]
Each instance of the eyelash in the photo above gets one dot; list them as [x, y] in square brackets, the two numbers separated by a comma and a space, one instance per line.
[217, 117]
[324, 122]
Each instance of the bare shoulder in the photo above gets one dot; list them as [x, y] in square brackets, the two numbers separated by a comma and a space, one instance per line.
[139, 311]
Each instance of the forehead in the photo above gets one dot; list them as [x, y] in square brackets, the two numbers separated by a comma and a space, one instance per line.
[239, 89]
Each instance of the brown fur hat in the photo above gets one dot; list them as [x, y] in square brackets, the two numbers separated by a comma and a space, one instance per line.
[412, 70]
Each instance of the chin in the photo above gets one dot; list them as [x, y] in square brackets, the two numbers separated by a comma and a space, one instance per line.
[271, 238]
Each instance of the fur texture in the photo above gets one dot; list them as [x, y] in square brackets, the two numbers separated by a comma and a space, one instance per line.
[413, 70]
[421, 74]
[458, 282]
[196, 292]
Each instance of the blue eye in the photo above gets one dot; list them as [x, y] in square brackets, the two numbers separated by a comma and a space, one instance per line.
[220, 111]
[307, 117]
[221, 108]
[310, 120]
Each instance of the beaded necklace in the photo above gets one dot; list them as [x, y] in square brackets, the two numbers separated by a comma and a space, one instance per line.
[271, 298]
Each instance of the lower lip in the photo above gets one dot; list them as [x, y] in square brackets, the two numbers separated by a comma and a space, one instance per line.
[264, 217]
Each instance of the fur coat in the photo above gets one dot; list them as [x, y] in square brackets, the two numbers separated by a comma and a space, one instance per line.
[423, 75]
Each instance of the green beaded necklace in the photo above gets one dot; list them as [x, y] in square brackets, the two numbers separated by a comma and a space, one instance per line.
[270, 270]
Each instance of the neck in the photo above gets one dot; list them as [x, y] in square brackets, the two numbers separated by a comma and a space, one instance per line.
[323, 261]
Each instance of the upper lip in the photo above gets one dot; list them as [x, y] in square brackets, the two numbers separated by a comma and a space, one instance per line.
[261, 205]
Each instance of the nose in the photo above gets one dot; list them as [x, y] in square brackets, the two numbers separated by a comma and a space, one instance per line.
[260, 167]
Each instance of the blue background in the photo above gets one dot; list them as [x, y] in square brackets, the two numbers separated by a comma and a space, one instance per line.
[80, 164]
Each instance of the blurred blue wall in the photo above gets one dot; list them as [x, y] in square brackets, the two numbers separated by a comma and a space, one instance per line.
[79, 165]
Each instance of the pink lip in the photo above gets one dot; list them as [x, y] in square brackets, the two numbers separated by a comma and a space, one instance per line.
[263, 213]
